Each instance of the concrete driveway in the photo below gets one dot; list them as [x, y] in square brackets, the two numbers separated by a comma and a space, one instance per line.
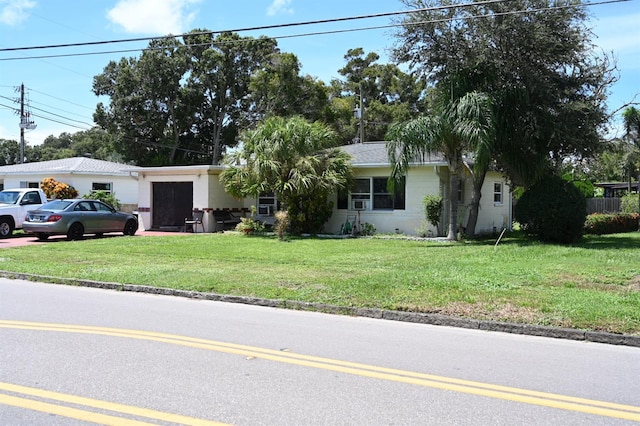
[24, 240]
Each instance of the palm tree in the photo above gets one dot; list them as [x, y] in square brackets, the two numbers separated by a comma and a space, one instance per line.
[631, 117]
[297, 162]
[457, 127]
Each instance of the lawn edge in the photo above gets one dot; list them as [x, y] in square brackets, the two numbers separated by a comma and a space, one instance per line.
[376, 313]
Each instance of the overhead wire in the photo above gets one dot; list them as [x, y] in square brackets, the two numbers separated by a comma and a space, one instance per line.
[268, 27]
[258, 28]
[309, 34]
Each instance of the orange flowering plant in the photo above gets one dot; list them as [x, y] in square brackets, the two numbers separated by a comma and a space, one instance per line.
[54, 189]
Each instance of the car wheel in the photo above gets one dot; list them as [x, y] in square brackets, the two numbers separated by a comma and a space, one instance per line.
[6, 228]
[75, 232]
[130, 227]
[43, 237]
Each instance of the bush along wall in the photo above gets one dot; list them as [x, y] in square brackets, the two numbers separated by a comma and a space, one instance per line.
[601, 224]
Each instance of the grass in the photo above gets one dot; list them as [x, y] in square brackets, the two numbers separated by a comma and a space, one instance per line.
[593, 285]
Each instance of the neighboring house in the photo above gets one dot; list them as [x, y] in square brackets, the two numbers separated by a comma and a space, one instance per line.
[617, 189]
[84, 174]
[168, 195]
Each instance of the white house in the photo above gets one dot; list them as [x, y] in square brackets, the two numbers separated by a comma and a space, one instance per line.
[84, 174]
[168, 195]
[403, 212]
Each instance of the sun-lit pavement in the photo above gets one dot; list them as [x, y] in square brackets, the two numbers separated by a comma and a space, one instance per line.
[25, 240]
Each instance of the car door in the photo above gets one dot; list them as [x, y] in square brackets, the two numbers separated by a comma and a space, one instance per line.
[107, 217]
[83, 213]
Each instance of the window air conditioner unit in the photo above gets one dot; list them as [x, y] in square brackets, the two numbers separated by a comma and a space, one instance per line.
[358, 204]
[264, 210]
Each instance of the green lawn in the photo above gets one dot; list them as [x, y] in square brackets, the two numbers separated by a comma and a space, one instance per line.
[593, 285]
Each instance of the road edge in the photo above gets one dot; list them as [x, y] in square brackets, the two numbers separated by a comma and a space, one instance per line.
[404, 316]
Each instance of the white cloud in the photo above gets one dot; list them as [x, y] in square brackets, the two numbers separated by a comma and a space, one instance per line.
[153, 16]
[280, 6]
[13, 12]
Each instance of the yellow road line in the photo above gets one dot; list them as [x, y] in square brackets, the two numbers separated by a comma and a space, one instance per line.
[92, 403]
[589, 406]
[69, 412]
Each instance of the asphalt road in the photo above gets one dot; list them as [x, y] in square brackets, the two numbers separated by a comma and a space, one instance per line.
[73, 355]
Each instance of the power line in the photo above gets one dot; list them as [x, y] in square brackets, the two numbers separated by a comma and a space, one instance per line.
[60, 99]
[310, 34]
[59, 122]
[49, 113]
[259, 28]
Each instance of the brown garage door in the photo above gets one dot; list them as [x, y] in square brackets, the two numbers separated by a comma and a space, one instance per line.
[172, 203]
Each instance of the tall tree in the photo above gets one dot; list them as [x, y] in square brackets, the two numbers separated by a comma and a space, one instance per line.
[536, 59]
[145, 101]
[386, 93]
[294, 160]
[9, 152]
[221, 72]
[631, 116]
[456, 127]
[181, 103]
[279, 90]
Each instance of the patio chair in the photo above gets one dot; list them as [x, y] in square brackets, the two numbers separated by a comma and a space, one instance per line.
[196, 219]
[224, 220]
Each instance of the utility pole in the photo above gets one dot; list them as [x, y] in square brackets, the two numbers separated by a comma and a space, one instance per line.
[22, 123]
[359, 114]
[25, 123]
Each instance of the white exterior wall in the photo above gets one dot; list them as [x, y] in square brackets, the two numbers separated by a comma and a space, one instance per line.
[145, 192]
[124, 187]
[494, 216]
[208, 192]
[420, 181]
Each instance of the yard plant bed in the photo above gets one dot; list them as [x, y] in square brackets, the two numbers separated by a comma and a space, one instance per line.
[593, 285]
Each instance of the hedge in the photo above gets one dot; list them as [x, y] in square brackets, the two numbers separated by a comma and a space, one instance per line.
[599, 223]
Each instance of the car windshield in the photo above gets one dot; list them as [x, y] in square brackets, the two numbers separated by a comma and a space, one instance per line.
[9, 197]
[56, 205]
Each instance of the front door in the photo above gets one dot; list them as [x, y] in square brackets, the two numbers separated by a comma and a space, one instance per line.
[172, 203]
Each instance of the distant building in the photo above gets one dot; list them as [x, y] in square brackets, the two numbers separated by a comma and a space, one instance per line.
[84, 174]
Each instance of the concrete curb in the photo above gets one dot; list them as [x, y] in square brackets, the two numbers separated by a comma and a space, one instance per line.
[421, 318]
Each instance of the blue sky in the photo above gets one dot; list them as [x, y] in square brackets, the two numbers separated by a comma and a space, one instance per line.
[59, 89]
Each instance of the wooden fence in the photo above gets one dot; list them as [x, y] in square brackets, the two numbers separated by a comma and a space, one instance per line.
[603, 205]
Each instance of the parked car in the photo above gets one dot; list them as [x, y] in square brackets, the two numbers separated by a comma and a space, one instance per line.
[75, 218]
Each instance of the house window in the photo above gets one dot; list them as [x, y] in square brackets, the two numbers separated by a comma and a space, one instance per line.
[24, 184]
[373, 194]
[267, 204]
[460, 191]
[497, 192]
[97, 186]
[343, 200]
[361, 194]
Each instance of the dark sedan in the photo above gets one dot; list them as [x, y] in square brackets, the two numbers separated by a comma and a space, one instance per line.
[75, 218]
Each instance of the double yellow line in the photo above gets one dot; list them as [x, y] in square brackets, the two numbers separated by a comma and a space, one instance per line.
[544, 399]
[25, 400]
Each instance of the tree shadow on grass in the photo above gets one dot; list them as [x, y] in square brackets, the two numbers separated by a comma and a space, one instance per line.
[592, 242]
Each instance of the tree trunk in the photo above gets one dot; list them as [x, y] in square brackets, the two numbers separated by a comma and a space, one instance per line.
[478, 181]
[454, 180]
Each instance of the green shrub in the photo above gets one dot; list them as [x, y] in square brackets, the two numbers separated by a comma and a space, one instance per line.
[367, 229]
[629, 203]
[601, 224]
[433, 209]
[105, 197]
[552, 210]
[308, 214]
[248, 226]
